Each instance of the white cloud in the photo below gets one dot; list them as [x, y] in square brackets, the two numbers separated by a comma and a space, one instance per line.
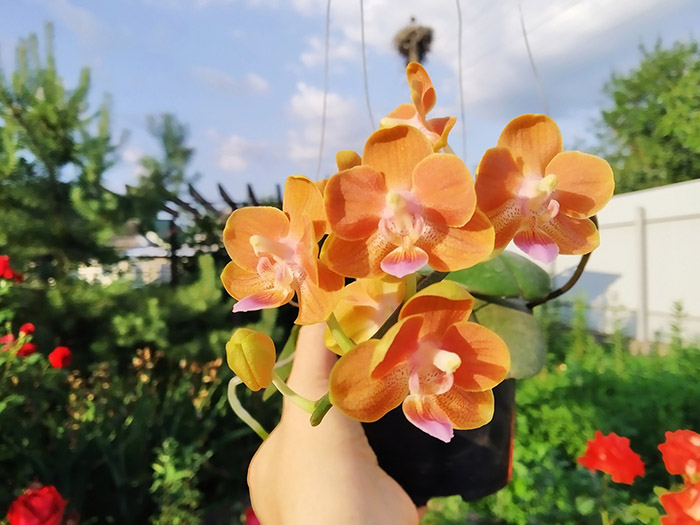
[343, 130]
[79, 20]
[338, 51]
[235, 154]
[250, 84]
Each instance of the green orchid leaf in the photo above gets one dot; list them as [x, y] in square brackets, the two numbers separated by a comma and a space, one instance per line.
[283, 371]
[520, 331]
[508, 275]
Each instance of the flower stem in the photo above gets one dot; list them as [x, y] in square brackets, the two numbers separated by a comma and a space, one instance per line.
[305, 404]
[242, 412]
[322, 407]
[344, 342]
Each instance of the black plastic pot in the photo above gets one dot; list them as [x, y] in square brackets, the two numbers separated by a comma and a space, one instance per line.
[474, 464]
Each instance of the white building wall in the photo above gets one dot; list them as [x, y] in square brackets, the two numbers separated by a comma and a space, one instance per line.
[648, 259]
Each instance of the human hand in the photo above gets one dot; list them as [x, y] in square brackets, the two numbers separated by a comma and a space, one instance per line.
[326, 474]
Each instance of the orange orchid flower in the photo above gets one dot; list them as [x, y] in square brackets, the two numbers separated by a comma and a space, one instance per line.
[363, 307]
[403, 207]
[275, 255]
[440, 367]
[423, 97]
[540, 196]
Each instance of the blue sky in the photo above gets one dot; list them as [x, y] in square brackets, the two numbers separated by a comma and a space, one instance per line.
[246, 76]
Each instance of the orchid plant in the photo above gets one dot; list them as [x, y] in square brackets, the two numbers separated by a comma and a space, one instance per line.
[422, 305]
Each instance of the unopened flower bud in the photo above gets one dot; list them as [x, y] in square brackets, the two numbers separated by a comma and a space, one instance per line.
[251, 355]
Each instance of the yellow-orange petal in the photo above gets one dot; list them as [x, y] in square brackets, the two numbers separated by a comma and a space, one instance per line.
[498, 179]
[354, 202]
[251, 355]
[533, 140]
[440, 305]
[573, 236]
[466, 410]
[346, 159]
[402, 114]
[442, 183]
[451, 249]
[507, 221]
[397, 346]
[355, 259]
[360, 396]
[485, 356]
[302, 199]
[315, 303]
[441, 127]
[395, 152]
[252, 291]
[265, 221]
[585, 183]
[422, 90]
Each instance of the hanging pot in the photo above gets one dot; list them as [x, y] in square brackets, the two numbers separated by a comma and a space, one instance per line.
[474, 464]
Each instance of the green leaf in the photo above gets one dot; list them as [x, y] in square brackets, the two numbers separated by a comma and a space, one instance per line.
[283, 371]
[521, 332]
[508, 275]
[585, 505]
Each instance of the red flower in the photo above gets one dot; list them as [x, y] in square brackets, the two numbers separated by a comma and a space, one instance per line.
[43, 506]
[681, 453]
[9, 338]
[26, 328]
[250, 517]
[60, 357]
[6, 271]
[612, 455]
[682, 508]
[27, 349]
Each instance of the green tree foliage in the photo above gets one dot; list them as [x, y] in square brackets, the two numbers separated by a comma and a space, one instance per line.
[651, 134]
[54, 153]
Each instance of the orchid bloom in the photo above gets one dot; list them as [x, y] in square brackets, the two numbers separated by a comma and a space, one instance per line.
[403, 207]
[423, 97]
[540, 196]
[440, 367]
[363, 307]
[275, 255]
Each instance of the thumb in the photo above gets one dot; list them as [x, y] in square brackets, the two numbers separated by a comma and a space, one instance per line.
[312, 362]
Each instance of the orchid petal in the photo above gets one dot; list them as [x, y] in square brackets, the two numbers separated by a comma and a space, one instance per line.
[507, 221]
[442, 183]
[441, 127]
[395, 152]
[424, 413]
[422, 90]
[356, 259]
[359, 395]
[585, 183]
[397, 345]
[485, 359]
[315, 303]
[346, 159]
[533, 140]
[270, 298]
[573, 236]
[466, 410]
[451, 249]
[354, 201]
[498, 180]
[303, 200]
[401, 261]
[243, 223]
[537, 245]
[440, 305]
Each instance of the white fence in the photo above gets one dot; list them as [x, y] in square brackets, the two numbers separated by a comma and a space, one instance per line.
[649, 259]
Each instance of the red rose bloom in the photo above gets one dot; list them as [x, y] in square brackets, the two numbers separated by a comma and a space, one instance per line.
[26, 328]
[42, 506]
[612, 455]
[60, 357]
[27, 349]
[681, 453]
[6, 271]
[682, 508]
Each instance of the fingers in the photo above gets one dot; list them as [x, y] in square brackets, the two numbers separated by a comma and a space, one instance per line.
[312, 363]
